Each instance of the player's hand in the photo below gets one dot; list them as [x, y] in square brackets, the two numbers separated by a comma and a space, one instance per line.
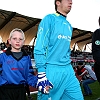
[43, 83]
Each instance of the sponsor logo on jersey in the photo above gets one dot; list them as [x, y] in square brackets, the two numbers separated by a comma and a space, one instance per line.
[10, 61]
[64, 37]
[17, 68]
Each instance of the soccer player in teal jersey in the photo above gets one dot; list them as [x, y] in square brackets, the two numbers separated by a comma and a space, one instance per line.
[56, 77]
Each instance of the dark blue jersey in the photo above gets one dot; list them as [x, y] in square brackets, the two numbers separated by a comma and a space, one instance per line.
[96, 45]
[16, 71]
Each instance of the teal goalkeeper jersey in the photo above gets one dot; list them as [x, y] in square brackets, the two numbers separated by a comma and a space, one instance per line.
[52, 45]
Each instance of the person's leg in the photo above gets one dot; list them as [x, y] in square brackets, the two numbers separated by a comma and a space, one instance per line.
[72, 87]
[86, 88]
[89, 90]
[3, 94]
[20, 94]
[27, 87]
[41, 96]
[57, 75]
[66, 85]
[12, 93]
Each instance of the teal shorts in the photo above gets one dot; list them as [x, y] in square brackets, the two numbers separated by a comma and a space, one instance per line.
[66, 85]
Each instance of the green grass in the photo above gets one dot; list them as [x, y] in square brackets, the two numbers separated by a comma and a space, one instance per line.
[34, 96]
[95, 87]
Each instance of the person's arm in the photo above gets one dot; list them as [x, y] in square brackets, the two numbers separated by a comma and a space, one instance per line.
[96, 45]
[1, 63]
[32, 79]
[41, 44]
[0, 69]
[1, 60]
[84, 72]
[40, 54]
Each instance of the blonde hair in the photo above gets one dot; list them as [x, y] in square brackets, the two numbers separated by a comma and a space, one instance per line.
[19, 30]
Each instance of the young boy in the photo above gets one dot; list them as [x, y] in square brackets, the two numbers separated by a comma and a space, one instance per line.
[16, 70]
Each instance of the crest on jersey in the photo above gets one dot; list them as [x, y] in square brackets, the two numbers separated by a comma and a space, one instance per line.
[97, 42]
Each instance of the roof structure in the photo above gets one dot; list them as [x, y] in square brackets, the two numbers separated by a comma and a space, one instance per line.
[81, 37]
[10, 20]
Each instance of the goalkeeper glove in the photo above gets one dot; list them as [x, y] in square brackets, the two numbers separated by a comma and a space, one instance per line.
[43, 83]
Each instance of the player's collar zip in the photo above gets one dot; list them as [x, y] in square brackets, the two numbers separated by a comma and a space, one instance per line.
[60, 14]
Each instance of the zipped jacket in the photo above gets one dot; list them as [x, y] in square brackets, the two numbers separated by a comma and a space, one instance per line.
[16, 71]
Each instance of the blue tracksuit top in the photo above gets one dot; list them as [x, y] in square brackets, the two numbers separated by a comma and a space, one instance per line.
[52, 44]
[16, 71]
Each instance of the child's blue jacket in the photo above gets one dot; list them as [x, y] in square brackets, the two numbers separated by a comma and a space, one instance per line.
[16, 71]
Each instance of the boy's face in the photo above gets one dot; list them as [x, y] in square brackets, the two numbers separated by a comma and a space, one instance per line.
[16, 41]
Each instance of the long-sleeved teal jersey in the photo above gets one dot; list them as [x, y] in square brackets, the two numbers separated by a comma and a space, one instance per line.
[52, 45]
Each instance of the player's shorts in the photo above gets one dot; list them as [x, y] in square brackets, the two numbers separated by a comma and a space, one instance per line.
[66, 85]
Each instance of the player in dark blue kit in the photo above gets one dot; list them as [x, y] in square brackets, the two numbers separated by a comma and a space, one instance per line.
[16, 69]
[96, 51]
[56, 77]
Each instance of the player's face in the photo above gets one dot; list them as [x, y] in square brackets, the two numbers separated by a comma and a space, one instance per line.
[65, 6]
[16, 41]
